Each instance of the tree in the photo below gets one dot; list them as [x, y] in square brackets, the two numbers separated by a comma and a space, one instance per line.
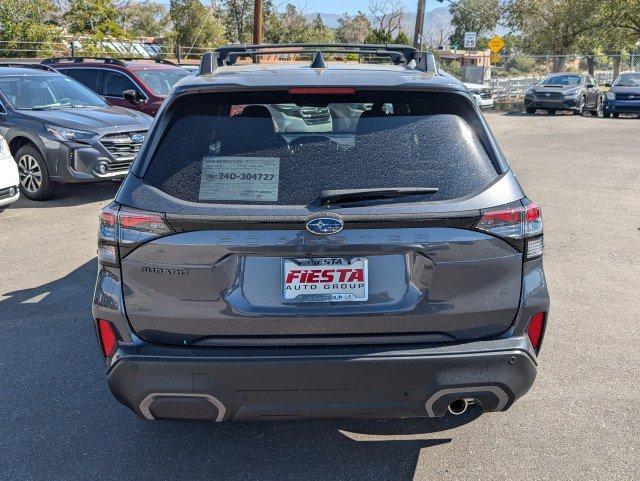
[196, 26]
[480, 16]
[25, 21]
[438, 35]
[100, 18]
[402, 38]
[353, 29]
[238, 20]
[144, 18]
[379, 36]
[550, 26]
[293, 26]
[388, 16]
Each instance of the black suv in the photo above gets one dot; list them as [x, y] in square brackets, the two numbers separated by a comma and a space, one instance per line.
[319, 240]
[60, 131]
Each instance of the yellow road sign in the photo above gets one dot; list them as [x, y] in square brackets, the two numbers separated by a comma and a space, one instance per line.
[496, 44]
[495, 58]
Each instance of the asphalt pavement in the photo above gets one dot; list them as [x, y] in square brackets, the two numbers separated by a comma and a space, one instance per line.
[581, 421]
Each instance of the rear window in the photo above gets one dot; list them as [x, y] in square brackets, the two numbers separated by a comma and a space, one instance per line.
[280, 149]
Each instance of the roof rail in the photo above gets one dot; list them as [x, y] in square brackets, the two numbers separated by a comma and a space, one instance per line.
[109, 60]
[115, 61]
[35, 66]
[424, 61]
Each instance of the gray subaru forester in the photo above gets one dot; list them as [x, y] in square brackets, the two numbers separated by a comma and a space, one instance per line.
[319, 239]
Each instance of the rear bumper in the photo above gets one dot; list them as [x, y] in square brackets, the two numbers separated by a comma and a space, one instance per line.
[243, 384]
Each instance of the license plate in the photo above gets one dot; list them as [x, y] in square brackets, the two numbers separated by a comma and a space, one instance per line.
[325, 279]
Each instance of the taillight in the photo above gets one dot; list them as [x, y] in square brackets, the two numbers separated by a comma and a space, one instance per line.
[516, 222]
[535, 330]
[108, 338]
[126, 227]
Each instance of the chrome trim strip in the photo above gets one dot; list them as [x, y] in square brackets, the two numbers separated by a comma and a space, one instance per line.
[146, 403]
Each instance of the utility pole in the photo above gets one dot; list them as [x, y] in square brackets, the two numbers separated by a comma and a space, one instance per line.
[417, 35]
[257, 22]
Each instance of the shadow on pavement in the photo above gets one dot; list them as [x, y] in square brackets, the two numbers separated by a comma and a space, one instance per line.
[61, 422]
[69, 195]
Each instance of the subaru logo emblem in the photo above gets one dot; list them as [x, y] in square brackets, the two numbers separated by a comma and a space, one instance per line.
[325, 225]
[137, 138]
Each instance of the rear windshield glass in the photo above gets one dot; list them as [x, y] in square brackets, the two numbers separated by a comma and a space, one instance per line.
[289, 149]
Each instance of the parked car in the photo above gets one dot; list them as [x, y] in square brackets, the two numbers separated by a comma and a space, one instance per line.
[623, 96]
[60, 131]
[136, 84]
[563, 91]
[482, 94]
[388, 266]
[9, 190]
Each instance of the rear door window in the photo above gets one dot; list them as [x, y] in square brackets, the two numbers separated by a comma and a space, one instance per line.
[89, 77]
[279, 149]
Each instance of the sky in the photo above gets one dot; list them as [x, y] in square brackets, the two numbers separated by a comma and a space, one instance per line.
[349, 6]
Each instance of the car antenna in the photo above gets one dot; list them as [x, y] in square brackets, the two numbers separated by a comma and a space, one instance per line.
[318, 61]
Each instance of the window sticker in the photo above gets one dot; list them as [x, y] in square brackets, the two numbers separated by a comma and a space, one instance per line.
[240, 179]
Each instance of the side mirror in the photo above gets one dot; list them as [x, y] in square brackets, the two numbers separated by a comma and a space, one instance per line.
[590, 86]
[607, 85]
[132, 96]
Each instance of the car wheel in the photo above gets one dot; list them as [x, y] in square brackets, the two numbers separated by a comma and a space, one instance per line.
[606, 115]
[580, 109]
[35, 183]
[551, 111]
[615, 116]
[598, 108]
[530, 110]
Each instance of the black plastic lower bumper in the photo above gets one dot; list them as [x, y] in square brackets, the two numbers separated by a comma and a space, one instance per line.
[315, 383]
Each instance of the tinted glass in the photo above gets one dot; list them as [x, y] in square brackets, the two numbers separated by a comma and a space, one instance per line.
[289, 150]
[116, 83]
[628, 80]
[47, 92]
[562, 80]
[89, 77]
[161, 81]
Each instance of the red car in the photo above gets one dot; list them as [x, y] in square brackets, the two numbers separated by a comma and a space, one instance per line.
[136, 84]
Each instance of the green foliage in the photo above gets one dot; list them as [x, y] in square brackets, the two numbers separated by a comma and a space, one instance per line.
[353, 29]
[379, 36]
[292, 26]
[99, 18]
[26, 21]
[402, 38]
[195, 25]
[480, 16]
[145, 19]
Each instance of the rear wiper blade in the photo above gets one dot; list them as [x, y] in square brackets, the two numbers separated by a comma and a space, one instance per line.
[328, 197]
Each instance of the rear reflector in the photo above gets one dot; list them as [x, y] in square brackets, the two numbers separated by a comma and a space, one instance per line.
[321, 91]
[108, 338]
[536, 329]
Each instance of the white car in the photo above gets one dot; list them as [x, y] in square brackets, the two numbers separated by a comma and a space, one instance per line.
[9, 179]
[482, 93]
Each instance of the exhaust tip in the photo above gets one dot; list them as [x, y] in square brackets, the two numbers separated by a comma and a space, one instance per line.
[458, 407]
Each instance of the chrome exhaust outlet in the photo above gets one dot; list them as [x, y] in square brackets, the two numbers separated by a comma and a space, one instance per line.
[458, 407]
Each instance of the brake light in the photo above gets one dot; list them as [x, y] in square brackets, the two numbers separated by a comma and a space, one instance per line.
[127, 227]
[108, 338]
[516, 222]
[321, 91]
[535, 330]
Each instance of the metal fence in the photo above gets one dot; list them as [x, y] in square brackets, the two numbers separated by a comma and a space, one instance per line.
[510, 75]
[18, 49]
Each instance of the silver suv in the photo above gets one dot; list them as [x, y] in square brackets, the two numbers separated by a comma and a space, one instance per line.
[385, 263]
